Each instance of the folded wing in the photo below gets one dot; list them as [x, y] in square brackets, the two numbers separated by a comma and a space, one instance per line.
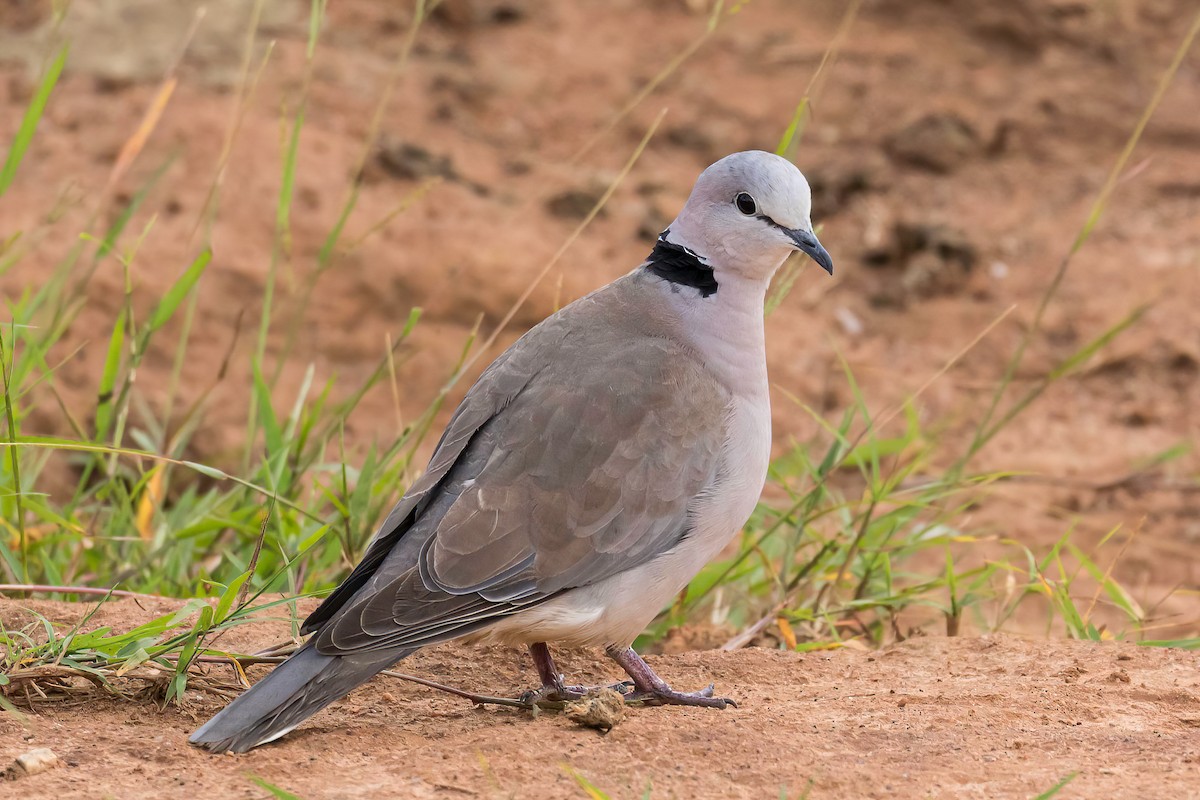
[547, 478]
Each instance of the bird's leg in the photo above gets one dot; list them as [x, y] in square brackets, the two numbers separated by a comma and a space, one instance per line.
[546, 668]
[553, 689]
[552, 680]
[653, 690]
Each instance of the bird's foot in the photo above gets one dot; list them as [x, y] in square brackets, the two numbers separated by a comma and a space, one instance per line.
[553, 695]
[651, 690]
[669, 697]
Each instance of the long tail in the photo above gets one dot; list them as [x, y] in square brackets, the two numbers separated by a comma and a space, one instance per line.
[294, 691]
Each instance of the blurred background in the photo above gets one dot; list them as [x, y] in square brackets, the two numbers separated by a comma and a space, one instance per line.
[388, 157]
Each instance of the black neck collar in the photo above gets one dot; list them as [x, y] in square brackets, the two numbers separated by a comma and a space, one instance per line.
[678, 265]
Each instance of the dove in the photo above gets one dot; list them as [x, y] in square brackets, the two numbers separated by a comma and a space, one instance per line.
[587, 476]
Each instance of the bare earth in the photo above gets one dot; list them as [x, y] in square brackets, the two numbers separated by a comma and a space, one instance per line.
[998, 717]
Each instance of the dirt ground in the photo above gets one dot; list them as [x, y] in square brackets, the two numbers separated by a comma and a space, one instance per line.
[994, 718]
[955, 150]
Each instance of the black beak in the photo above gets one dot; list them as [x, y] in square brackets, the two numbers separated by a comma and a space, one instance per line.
[806, 241]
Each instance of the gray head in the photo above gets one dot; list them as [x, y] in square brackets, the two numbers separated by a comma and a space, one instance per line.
[746, 213]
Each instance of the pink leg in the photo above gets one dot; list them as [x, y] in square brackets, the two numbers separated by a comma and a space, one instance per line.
[653, 690]
[553, 689]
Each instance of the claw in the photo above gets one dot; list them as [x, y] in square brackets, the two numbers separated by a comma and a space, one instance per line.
[702, 699]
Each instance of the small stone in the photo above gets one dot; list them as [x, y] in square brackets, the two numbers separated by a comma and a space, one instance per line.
[603, 710]
[848, 320]
[40, 759]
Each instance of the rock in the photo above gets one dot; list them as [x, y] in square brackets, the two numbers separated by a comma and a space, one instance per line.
[40, 759]
[574, 203]
[939, 142]
[603, 710]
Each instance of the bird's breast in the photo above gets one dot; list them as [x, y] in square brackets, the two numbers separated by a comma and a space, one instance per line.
[746, 453]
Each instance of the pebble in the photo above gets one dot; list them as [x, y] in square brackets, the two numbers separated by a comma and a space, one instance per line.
[40, 759]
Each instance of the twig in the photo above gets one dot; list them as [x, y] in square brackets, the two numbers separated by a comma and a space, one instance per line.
[477, 699]
[243, 661]
[33, 674]
[1132, 480]
[745, 637]
[282, 648]
[45, 588]
[262, 535]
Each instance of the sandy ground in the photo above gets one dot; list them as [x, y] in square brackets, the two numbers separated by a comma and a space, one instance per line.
[998, 717]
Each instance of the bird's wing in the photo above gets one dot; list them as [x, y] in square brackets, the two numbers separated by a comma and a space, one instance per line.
[587, 470]
[497, 386]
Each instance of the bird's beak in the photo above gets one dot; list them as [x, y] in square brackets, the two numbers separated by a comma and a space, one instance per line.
[806, 241]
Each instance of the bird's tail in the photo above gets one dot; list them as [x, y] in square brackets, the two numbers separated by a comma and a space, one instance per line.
[294, 691]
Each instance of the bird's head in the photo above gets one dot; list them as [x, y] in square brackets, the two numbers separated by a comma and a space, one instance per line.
[747, 212]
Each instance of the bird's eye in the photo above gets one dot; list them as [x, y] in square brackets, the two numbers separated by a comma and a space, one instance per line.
[745, 204]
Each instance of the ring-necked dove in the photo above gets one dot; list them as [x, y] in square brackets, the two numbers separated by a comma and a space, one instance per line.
[588, 475]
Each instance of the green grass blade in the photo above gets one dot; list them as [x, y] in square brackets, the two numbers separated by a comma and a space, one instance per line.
[229, 595]
[266, 414]
[108, 378]
[1056, 788]
[275, 791]
[11, 434]
[33, 115]
[118, 226]
[171, 301]
[283, 210]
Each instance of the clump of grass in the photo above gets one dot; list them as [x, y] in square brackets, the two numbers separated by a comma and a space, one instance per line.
[153, 661]
[142, 514]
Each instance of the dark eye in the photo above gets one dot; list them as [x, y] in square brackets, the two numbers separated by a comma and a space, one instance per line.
[745, 204]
